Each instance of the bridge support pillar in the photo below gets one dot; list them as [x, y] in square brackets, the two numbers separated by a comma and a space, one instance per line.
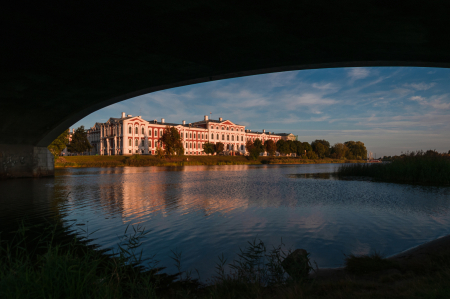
[22, 161]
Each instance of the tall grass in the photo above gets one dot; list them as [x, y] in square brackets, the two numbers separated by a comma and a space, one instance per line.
[51, 261]
[418, 168]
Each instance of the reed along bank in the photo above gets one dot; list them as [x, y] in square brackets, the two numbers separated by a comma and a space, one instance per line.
[428, 168]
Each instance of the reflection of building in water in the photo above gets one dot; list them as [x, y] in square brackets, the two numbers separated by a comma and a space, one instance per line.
[167, 191]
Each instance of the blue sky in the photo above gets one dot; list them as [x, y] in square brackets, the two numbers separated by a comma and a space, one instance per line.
[390, 109]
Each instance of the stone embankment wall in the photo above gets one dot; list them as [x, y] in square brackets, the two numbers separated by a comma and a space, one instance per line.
[19, 161]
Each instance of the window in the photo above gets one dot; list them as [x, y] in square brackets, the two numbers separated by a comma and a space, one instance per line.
[160, 133]
[194, 135]
[129, 141]
[136, 142]
[190, 144]
[212, 136]
[199, 146]
[186, 135]
[187, 145]
[232, 129]
[223, 137]
[149, 143]
[228, 137]
[142, 142]
[129, 151]
[217, 128]
[242, 147]
[212, 127]
[232, 138]
[136, 130]
[222, 128]
[202, 136]
[149, 132]
[190, 135]
[194, 144]
[228, 128]
[217, 136]
[142, 130]
[242, 138]
[156, 133]
[129, 130]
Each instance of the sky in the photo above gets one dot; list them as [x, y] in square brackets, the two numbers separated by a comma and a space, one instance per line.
[390, 109]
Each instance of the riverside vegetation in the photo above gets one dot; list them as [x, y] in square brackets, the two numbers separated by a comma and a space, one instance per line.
[141, 160]
[430, 168]
[52, 261]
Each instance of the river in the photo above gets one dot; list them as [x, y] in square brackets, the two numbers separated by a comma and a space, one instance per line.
[204, 211]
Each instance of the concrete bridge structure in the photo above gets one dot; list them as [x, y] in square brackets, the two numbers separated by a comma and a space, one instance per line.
[61, 61]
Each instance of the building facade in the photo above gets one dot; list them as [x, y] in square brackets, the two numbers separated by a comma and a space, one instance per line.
[129, 135]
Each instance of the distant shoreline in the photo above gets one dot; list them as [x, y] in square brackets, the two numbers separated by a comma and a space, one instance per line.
[136, 161]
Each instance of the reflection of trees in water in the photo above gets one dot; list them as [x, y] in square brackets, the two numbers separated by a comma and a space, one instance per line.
[325, 176]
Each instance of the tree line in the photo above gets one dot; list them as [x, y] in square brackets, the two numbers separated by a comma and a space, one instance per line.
[318, 149]
[173, 145]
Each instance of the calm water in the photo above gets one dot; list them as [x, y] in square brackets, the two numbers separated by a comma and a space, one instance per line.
[208, 210]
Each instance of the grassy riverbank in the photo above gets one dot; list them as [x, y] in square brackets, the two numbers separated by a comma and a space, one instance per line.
[49, 261]
[136, 160]
[416, 169]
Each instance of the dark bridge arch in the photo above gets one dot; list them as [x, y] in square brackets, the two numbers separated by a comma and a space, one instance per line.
[62, 61]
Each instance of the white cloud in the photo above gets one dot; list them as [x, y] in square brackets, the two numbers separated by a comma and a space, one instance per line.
[434, 101]
[420, 86]
[310, 99]
[357, 73]
[328, 86]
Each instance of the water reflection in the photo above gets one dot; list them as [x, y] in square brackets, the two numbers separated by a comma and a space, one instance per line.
[207, 210]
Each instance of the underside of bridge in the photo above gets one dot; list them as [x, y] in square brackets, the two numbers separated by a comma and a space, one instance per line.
[61, 61]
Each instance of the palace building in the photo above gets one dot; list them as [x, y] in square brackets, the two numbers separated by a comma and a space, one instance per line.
[129, 135]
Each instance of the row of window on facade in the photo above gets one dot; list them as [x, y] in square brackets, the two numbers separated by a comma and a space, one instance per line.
[228, 128]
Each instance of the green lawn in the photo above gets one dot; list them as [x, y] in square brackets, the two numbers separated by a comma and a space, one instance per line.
[112, 161]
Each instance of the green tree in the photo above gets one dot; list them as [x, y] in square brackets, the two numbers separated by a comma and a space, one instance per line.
[283, 147]
[160, 152]
[80, 142]
[219, 147]
[311, 155]
[256, 149]
[292, 146]
[271, 147]
[325, 144]
[356, 150]
[208, 148]
[321, 150]
[171, 139]
[59, 144]
[339, 151]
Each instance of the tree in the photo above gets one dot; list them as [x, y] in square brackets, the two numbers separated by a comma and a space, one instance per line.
[339, 151]
[171, 139]
[356, 150]
[292, 147]
[271, 147]
[311, 155]
[79, 143]
[59, 144]
[257, 148]
[282, 147]
[321, 150]
[219, 147]
[325, 144]
[208, 148]
[160, 152]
